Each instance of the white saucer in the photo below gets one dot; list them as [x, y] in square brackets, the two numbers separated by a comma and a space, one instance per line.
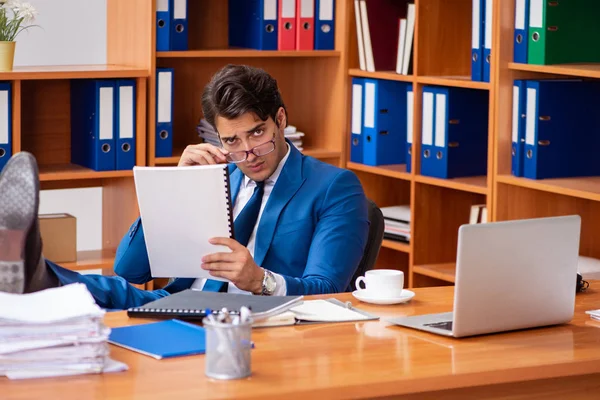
[362, 295]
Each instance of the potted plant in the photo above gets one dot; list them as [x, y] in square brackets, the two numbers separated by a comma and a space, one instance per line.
[15, 17]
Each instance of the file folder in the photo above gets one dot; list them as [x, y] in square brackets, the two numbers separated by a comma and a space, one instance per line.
[5, 123]
[427, 132]
[521, 31]
[164, 112]
[163, 25]
[460, 133]
[561, 129]
[125, 124]
[563, 32]
[410, 98]
[179, 25]
[487, 49]
[384, 122]
[92, 123]
[325, 25]
[253, 24]
[305, 34]
[356, 139]
[287, 25]
[518, 127]
[477, 36]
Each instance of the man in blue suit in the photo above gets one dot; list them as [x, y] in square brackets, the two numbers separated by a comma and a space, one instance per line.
[300, 225]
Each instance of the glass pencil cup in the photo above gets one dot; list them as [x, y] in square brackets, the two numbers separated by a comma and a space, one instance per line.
[228, 349]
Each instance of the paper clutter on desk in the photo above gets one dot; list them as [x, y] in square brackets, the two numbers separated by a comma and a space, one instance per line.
[54, 332]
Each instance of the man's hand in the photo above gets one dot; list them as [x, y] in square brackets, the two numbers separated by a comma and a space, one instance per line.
[202, 154]
[238, 266]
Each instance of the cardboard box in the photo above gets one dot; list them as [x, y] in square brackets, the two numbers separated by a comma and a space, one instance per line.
[59, 237]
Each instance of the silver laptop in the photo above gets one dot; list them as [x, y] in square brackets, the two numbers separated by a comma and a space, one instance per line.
[510, 275]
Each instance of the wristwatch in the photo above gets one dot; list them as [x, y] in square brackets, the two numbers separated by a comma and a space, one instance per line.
[268, 284]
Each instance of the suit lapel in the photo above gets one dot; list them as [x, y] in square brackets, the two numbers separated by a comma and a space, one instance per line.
[285, 188]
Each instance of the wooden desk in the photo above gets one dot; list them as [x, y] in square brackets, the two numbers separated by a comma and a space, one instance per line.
[367, 359]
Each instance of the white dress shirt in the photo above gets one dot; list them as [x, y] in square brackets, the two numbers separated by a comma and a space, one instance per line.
[245, 193]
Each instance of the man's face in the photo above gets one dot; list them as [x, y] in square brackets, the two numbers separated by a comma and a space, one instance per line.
[247, 132]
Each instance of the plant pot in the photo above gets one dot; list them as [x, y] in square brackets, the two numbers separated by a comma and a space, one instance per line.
[7, 55]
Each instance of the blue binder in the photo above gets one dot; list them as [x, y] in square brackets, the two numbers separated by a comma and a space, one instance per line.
[384, 122]
[487, 40]
[325, 25]
[356, 137]
[5, 123]
[164, 112]
[92, 123]
[179, 25]
[561, 129]
[163, 25]
[427, 130]
[460, 125]
[253, 24]
[521, 31]
[409, 125]
[518, 127]
[477, 36]
[125, 124]
[163, 339]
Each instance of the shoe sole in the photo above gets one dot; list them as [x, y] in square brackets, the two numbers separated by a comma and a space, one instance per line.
[19, 187]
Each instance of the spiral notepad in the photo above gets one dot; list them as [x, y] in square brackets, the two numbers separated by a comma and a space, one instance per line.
[181, 209]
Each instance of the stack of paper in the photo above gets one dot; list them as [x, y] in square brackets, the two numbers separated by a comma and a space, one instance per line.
[397, 223]
[295, 136]
[208, 133]
[54, 332]
[594, 314]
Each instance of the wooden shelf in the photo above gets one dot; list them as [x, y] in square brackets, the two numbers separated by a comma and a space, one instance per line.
[453, 81]
[388, 75]
[246, 53]
[63, 172]
[394, 245]
[74, 72]
[445, 272]
[475, 184]
[92, 259]
[393, 171]
[581, 70]
[581, 187]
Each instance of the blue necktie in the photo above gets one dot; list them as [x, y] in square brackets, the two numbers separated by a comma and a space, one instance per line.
[243, 227]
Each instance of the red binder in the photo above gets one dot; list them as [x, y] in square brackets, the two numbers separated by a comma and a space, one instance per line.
[383, 24]
[286, 40]
[305, 17]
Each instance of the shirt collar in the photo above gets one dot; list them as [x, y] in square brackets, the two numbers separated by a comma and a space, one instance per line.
[275, 175]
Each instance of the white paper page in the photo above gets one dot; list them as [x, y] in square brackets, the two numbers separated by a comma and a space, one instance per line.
[322, 310]
[181, 209]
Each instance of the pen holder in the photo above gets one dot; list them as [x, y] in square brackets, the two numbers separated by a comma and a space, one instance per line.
[228, 349]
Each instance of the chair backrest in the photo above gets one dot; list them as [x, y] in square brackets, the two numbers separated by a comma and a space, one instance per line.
[374, 240]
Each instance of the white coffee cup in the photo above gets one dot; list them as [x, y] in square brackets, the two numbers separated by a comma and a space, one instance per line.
[382, 283]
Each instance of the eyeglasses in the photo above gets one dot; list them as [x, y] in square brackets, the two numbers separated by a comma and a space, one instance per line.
[260, 150]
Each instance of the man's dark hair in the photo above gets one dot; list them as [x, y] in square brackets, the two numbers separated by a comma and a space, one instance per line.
[238, 89]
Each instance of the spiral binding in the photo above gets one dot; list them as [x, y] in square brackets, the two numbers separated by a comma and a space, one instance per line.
[229, 202]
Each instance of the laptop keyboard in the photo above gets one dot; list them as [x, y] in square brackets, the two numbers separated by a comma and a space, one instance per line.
[447, 325]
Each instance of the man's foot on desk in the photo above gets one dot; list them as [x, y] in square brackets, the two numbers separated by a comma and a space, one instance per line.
[22, 266]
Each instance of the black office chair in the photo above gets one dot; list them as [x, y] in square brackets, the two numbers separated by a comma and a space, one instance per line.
[374, 240]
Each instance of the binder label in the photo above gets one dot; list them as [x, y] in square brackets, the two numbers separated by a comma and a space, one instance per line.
[427, 118]
[307, 9]
[409, 116]
[162, 5]
[369, 105]
[531, 116]
[270, 9]
[440, 120]
[4, 117]
[476, 25]
[106, 113]
[288, 9]
[326, 10]
[164, 97]
[536, 13]
[179, 9]
[126, 112]
[356, 108]
[488, 24]
[515, 115]
[520, 14]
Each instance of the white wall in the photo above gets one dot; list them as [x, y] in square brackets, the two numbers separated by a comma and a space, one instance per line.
[70, 32]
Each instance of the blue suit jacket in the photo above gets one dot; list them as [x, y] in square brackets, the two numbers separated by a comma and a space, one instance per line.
[313, 229]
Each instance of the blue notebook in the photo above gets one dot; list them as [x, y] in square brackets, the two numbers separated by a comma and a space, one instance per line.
[171, 338]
